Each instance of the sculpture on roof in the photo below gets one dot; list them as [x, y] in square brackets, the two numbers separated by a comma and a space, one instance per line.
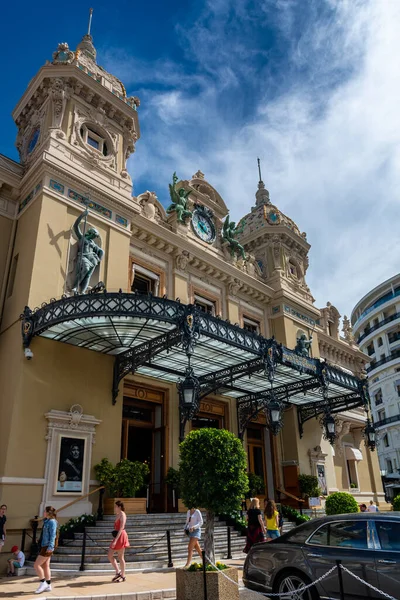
[229, 233]
[303, 345]
[179, 201]
[347, 330]
[89, 254]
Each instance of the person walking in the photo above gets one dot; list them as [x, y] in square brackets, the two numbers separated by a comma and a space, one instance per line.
[15, 562]
[255, 525]
[119, 543]
[194, 521]
[272, 520]
[372, 507]
[3, 520]
[46, 544]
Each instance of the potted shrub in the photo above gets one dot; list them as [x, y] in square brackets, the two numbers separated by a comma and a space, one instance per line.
[122, 481]
[213, 476]
[340, 503]
[396, 503]
[173, 480]
[309, 487]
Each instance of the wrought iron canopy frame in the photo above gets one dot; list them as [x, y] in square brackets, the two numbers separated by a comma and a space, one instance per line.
[155, 336]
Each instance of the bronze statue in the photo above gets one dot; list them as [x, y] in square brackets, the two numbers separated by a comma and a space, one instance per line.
[229, 233]
[179, 201]
[303, 345]
[89, 254]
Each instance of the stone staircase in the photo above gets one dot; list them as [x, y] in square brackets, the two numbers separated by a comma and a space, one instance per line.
[148, 549]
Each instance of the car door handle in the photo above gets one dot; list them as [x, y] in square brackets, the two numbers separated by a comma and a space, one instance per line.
[314, 555]
[387, 562]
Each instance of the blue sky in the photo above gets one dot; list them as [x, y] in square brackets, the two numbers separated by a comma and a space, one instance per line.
[310, 86]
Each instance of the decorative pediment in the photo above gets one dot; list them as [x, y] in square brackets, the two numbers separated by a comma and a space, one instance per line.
[206, 194]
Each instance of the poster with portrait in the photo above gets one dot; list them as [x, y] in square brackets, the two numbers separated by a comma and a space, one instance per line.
[322, 479]
[70, 465]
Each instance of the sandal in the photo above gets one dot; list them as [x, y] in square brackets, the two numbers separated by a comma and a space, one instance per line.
[121, 579]
[116, 577]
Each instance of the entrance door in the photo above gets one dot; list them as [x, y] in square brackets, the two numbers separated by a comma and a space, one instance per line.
[143, 440]
[256, 451]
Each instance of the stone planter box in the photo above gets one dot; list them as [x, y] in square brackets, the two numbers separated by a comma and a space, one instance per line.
[133, 506]
[190, 585]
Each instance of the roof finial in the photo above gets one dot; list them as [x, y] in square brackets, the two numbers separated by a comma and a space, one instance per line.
[259, 168]
[90, 20]
[262, 195]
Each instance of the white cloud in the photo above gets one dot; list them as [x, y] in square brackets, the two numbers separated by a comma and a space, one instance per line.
[328, 129]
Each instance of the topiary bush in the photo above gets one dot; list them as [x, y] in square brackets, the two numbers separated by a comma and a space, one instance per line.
[396, 503]
[213, 476]
[291, 514]
[123, 480]
[309, 486]
[340, 503]
[256, 485]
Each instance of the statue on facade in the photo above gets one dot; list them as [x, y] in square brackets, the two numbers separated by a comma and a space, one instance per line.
[229, 233]
[89, 254]
[303, 345]
[179, 201]
[347, 330]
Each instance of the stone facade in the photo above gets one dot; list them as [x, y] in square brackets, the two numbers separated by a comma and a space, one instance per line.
[76, 130]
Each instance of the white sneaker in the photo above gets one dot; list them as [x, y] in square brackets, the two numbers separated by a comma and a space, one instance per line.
[48, 588]
[43, 587]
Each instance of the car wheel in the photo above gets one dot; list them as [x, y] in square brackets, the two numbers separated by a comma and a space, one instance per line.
[292, 581]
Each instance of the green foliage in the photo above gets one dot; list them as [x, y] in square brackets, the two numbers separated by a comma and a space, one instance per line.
[123, 480]
[256, 485]
[213, 470]
[173, 479]
[396, 503]
[77, 524]
[309, 486]
[199, 567]
[340, 503]
[291, 514]
[353, 486]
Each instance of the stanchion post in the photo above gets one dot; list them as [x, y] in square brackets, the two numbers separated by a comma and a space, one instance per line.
[34, 546]
[340, 575]
[301, 507]
[229, 544]
[170, 563]
[204, 575]
[82, 567]
[100, 510]
[22, 548]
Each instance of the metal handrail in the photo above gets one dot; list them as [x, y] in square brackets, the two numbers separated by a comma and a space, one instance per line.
[392, 356]
[387, 420]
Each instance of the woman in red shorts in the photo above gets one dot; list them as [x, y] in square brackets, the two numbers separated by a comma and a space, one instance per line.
[119, 543]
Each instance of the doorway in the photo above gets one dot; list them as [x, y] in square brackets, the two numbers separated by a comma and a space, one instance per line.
[143, 440]
[256, 452]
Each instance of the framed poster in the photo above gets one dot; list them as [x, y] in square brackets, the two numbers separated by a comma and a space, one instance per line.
[322, 479]
[70, 465]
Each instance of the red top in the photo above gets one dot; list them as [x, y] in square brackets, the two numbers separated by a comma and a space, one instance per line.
[122, 541]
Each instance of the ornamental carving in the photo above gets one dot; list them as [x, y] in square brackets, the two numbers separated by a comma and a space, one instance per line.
[233, 287]
[182, 260]
[57, 95]
[63, 55]
[342, 429]
[348, 331]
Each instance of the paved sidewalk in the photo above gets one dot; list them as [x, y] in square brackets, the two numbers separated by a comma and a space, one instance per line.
[147, 585]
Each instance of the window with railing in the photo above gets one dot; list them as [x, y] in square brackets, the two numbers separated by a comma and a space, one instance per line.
[381, 415]
[393, 336]
[370, 349]
[251, 325]
[386, 440]
[204, 304]
[389, 465]
[380, 341]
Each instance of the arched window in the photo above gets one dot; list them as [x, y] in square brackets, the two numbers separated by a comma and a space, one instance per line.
[380, 341]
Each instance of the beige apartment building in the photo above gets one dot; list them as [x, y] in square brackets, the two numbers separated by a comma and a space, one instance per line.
[99, 327]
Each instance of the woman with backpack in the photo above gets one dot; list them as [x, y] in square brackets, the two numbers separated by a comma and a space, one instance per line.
[47, 544]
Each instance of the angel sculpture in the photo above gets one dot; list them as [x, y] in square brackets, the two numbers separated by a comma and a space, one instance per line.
[229, 233]
[179, 201]
[89, 254]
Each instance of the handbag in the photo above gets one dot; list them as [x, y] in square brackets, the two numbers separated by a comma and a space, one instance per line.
[114, 533]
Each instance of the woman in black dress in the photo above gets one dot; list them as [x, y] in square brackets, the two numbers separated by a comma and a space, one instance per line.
[255, 525]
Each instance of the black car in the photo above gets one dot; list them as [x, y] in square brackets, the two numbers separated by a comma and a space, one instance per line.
[367, 544]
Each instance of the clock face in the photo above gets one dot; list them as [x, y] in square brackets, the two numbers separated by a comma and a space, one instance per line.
[33, 140]
[203, 227]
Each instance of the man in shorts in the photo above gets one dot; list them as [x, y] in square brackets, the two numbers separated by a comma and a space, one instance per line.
[3, 520]
[15, 562]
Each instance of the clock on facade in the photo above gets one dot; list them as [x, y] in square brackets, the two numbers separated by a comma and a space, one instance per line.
[33, 140]
[202, 224]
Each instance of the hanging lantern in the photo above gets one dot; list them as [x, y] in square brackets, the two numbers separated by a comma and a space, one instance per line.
[189, 394]
[369, 433]
[274, 416]
[329, 427]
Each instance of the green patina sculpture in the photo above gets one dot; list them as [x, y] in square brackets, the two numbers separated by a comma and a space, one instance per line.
[179, 201]
[229, 233]
[89, 254]
[303, 346]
